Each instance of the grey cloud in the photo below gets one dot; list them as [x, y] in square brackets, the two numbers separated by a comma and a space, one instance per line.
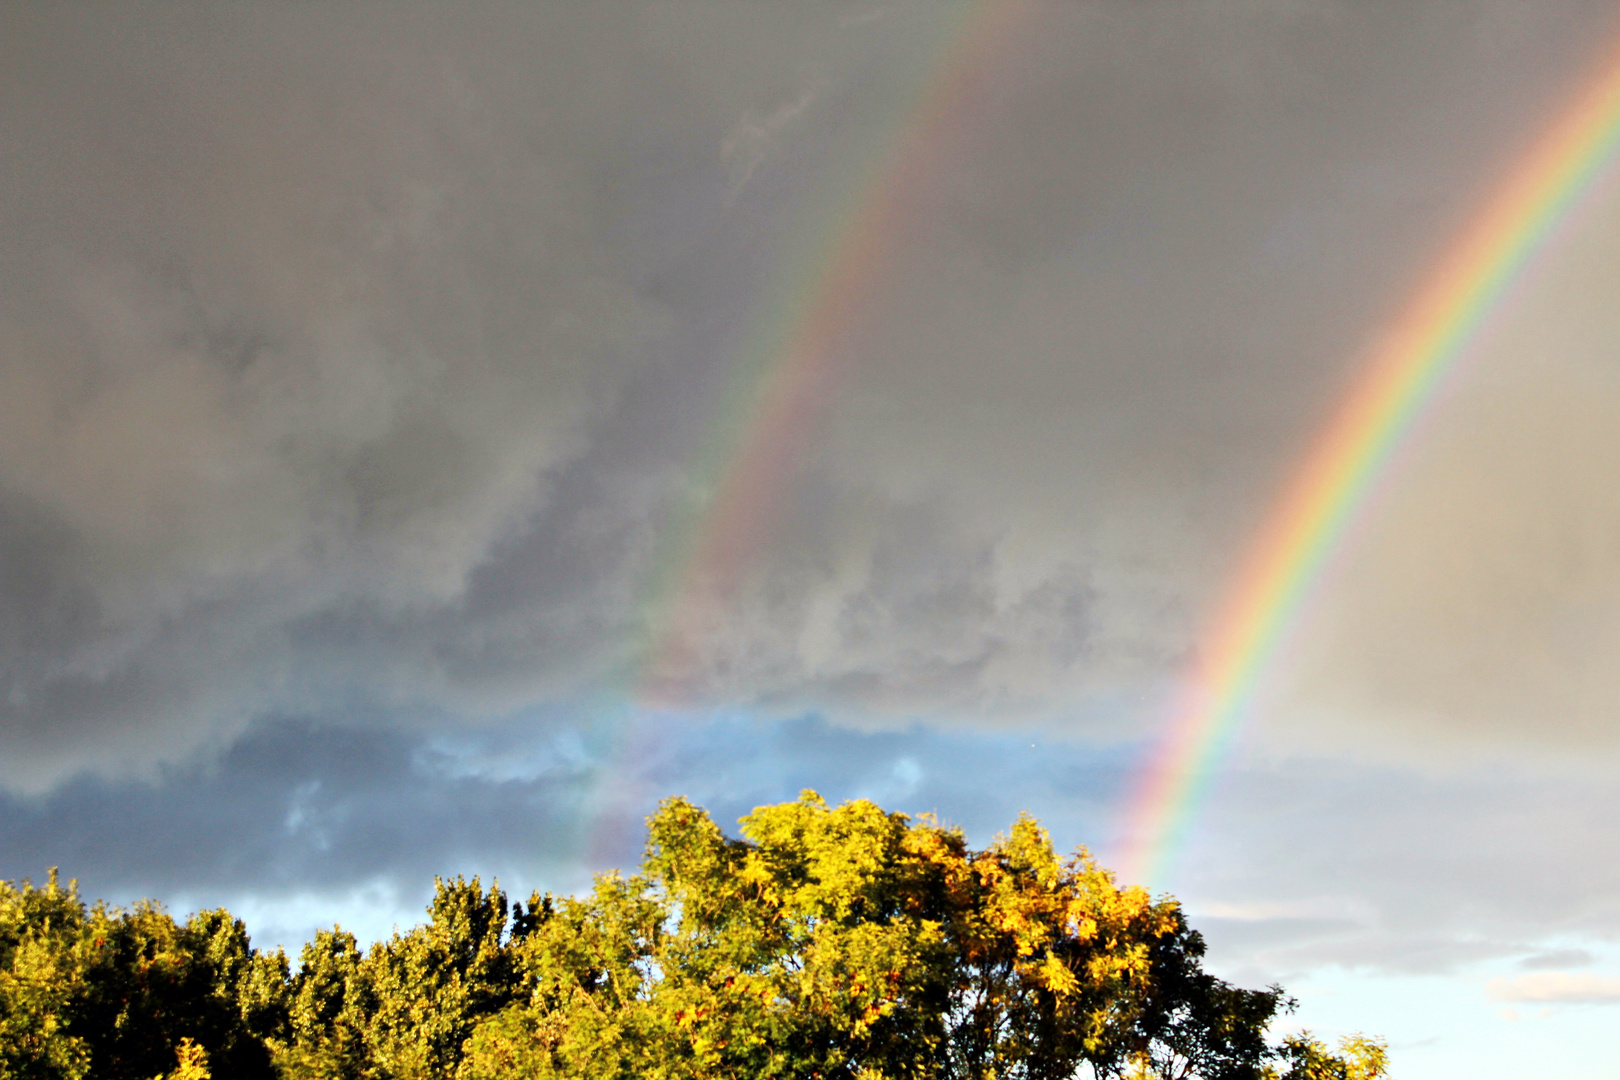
[1101, 352]
[1557, 958]
[1486, 585]
[748, 143]
[1292, 869]
[298, 816]
[1305, 862]
[318, 822]
[881, 611]
[358, 359]
[317, 317]
[303, 313]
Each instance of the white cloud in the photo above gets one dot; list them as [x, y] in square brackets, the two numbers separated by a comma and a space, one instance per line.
[1559, 986]
[748, 143]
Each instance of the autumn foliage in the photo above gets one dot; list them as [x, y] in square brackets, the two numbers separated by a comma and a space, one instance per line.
[826, 942]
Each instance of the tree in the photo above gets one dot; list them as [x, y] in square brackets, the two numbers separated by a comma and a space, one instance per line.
[823, 943]
[426, 989]
[39, 979]
[404, 1009]
[150, 983]
[856, 943]
[325, 1034]
[1306, 1058]
[191, 1062]
[118, 993]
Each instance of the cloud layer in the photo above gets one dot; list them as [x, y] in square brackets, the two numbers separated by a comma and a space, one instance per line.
[354, 365]
[1293, 867]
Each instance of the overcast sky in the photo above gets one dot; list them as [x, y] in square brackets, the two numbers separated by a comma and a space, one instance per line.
[367, 370]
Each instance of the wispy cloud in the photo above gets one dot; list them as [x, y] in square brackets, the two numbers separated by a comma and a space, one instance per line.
[748, 143]
[1555, 986]
[1554, 959]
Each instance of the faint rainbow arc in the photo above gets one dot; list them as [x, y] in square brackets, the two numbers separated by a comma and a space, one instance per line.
[799, 350]
[785, 369]
[1307, 525]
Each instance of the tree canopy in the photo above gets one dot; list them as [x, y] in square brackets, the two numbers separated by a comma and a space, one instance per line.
[823, 942]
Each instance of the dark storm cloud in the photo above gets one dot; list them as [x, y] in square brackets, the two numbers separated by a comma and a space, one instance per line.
[1293, 866]
[353, 355]
[303, 311]
[290, 807]
[354, 359]
[353, 822]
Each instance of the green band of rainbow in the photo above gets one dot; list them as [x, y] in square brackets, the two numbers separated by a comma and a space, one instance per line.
[1307, 527]
[797, 351]
[802, 346]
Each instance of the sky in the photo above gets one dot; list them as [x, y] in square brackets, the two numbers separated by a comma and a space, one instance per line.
[396, 480]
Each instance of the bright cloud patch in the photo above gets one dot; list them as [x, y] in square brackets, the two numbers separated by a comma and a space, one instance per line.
[1555, 986]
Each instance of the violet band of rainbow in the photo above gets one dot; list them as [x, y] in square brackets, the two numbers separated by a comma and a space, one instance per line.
[797, 356]
[1409, 363]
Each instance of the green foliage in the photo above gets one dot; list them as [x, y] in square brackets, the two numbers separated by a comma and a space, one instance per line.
[1305, 1058]
[40, 932]
[324, 1031]
[151, 982]
[424, 990]
[850, 942]
[191, 1062]
[116, 994]
[823, 942]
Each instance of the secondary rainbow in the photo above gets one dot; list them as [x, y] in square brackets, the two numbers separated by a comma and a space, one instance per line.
[1409, 364]
[794, 354]
[802, 343]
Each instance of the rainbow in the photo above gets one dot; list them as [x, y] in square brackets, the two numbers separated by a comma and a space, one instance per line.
[1409, 364]
[802, 345]
[796, 351]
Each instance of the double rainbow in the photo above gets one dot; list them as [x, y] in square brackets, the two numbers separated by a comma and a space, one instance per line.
[796, 356]
[1421, 351]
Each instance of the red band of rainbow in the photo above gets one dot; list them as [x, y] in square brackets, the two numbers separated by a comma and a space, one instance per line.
[1307, 526]
[800, 350]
